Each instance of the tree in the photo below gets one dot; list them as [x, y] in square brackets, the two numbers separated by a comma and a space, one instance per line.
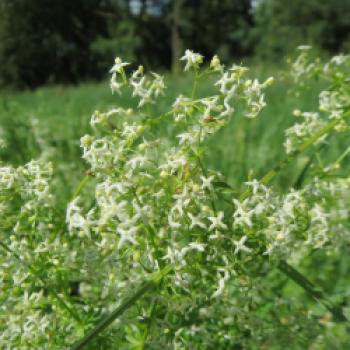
[47, 40]
[282, 25]
[218, 26]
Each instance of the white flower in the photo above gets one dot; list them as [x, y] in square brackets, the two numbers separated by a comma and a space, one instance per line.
[140, 212]
[224, 81]
[256, 186]
[242, 214]
[174, 225]
[137, 161]
[217, 221]
[222, 282]
[72, 207]
[126, 235]
[304, 47]
[193, 246]
[207, 182]
[215, 64]
[186, 137]
[158, 85]
[196, 221]
[77, 221]
[118, 66]
[240, 247]
[193, 60]
[114, 85]
[7, 177]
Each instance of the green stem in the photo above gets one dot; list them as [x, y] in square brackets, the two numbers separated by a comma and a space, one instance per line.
[205, 174]
[308, 143]
[81, 185]
[194, 87]
[300, 179]
[149, 323]
[312, 290]
[126, 304]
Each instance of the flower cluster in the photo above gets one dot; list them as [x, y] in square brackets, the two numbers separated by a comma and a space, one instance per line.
[332, 102]
[155, 204]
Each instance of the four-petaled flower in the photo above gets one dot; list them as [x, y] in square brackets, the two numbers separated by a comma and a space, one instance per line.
[196, 221]
[217, 221]
[193, 60]
[126, 235]
[240, 246]
[207, 182]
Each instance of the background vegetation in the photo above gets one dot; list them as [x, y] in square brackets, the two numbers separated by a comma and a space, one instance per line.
[50, 41]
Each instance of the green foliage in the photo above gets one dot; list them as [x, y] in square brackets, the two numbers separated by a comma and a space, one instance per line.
[161, 245]
[47, 40]
[220, 27]
[122, 40]
[280, 26]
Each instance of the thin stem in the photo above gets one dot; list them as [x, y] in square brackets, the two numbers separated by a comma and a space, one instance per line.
[81, 185]
[149, 323]
[308, 143]
[126, 304]
[341, 158]
[300, 179]
[195, 82]
[205, 174]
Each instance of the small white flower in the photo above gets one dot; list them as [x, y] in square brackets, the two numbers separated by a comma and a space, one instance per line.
[196, 221]
[186, 137]
[207, 182]
[242, 214]
[256, 186]
[173, 224]
[304, 47]
[222, 282]
[158, 85]
[193, 60]
[118, 66]
[193, 246]
[217, 221]
[240, 247]
[115, 85]
[126, 235]
[215, 64]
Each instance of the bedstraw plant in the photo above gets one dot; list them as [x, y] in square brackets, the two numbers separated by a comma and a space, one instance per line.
[166, 254]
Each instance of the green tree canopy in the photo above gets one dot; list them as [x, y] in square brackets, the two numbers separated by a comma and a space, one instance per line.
[282, 25]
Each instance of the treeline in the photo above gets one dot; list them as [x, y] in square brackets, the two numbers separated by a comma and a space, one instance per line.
[49, 41]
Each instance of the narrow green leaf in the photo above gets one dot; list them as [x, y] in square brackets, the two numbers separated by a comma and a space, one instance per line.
[81, 185]
[300, 179]
[221, 184]
[312, 290]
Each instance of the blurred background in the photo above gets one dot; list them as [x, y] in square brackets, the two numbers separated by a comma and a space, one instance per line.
[68, 41]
